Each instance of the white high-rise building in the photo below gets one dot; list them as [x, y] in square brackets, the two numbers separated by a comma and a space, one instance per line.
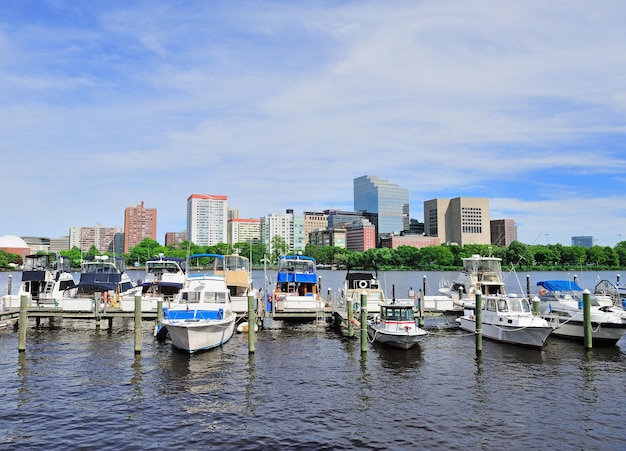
[207, 219]
[277, 225]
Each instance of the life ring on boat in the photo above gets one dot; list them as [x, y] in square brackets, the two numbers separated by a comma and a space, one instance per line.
[362, 283]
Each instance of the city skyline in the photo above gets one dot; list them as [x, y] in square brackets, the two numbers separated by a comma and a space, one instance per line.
[280, 105]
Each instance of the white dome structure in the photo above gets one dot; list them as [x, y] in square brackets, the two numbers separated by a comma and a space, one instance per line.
[14, 245]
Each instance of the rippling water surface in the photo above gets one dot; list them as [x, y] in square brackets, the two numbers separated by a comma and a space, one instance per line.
[305, 387]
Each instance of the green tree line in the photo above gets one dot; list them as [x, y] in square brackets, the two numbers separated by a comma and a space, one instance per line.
[442, 257]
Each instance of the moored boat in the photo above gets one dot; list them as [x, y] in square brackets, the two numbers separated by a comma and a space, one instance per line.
[395, 325]
[562, 306]
[238, 276]
[507, 319]
[46, 279]
[164, 278]
[101, 276]
[203, 318]
[297, 288]
[358, 283]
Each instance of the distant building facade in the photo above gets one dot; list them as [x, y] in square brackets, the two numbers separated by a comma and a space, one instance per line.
[328, 237]
[503, 232]
[388, 201]
[274, 225]
[207, 219]
[314, 220]
[418, 241]
[175, 237]
[462, 220]
[361, 236]
[104, 239]
[242, 230]
[139, 223]
[582, 241]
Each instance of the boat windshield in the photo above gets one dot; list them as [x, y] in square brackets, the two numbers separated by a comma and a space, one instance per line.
[519, 305]
[398, 314]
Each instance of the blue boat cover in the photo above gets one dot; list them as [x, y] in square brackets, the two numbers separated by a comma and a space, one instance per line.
[296, 277]
[559, 285]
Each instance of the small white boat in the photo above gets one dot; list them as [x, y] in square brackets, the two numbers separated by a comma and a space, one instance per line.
[46, 279]
[203, 318]
[395, 326]
[507, 319]
[562, 306]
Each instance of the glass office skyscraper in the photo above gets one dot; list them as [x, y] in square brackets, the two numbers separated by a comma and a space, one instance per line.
[388, 201]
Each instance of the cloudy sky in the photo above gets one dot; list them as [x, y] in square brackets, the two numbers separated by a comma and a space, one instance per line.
[281, 104]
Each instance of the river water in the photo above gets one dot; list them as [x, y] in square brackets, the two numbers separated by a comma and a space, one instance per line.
[306, 387]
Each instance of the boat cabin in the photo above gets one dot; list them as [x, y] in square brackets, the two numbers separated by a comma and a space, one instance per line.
[396, 312]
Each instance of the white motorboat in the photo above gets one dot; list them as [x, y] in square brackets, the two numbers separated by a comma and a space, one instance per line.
[562, 306]
[203, 318]
[395, 326]
[297, 288]
[479, 273]
[46, 279]
[507, 319]
[359, 283]
[164, 278]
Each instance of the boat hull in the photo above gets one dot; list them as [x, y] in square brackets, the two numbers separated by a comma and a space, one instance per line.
[530, 336]
[602, 333]
[199, 335]
[397, 339]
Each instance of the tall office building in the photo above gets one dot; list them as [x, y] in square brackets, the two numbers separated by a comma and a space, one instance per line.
[207, 219]
[462, 220]
[139, 223]
[503, 232]
[388, 201]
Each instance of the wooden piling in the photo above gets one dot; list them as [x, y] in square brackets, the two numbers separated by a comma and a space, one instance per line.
[9, 284]
[23, 320]
[159, 312]
[138, 324]
[587, 318]
[350, 318]
[421, 303]
[251, 325]
[479, 322]
[528, 286]
[363, 322]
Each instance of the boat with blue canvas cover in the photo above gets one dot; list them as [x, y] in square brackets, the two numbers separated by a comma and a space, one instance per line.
[297, 289]
[562, 306]
[203, 317]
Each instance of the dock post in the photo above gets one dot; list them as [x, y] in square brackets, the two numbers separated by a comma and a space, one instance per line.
[363, 322]
[10, 283]
[350, 316]
[587, 318]
[137, 324]
[329, 295]
[528, 286]
[21, 344]
[479, 322]
[251, 324]
[159, 313]
[421, 302]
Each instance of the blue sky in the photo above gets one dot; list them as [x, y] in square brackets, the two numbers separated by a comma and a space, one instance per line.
[281, 104]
